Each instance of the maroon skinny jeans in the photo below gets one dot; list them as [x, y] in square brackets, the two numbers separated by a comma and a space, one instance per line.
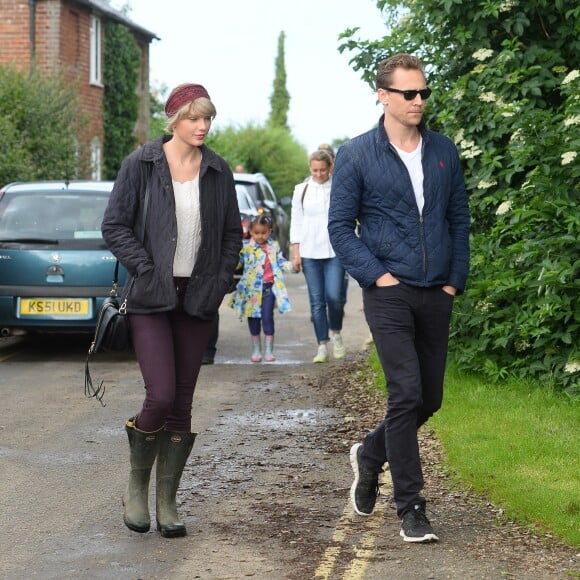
[169, 347]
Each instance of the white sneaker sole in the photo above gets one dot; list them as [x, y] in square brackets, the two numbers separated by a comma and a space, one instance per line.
[422, 540]
[354, 464]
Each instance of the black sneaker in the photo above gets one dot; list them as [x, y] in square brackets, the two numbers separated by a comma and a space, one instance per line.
[365, 488]
[415, 526]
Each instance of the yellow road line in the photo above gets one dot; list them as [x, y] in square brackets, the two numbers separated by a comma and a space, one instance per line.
[364, 552]
[331, 553]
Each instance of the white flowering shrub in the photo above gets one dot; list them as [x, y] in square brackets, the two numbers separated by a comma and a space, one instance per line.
[506, 89]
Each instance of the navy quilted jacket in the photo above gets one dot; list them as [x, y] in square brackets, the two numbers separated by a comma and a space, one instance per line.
[150, 263]
[371, 184]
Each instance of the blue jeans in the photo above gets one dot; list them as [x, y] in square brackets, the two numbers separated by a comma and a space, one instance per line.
[325, 282]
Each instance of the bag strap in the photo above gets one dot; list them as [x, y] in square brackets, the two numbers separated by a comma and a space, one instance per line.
[98, 392]
[303, 195]
[146, 201]
[114, 289]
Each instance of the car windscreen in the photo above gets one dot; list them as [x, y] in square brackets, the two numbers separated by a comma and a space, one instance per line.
[59, 215]
[252, 189]
[244, 199]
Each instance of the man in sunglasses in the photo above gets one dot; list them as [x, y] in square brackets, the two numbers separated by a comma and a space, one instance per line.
[404, 185]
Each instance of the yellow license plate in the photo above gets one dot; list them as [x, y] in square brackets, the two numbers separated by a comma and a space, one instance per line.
[54, 307]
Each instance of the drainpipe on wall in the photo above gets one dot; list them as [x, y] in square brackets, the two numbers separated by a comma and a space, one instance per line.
[32, 4]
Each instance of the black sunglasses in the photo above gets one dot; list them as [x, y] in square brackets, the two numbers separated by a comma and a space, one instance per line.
[411, 95]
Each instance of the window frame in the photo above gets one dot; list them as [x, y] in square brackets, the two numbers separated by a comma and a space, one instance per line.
[95, 64]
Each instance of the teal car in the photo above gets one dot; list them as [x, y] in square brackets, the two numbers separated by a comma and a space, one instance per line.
[55, 269]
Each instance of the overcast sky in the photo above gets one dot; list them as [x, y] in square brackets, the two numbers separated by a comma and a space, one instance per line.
[230, 47]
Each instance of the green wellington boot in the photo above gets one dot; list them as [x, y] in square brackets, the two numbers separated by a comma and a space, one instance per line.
[174, 449]
[143, 451]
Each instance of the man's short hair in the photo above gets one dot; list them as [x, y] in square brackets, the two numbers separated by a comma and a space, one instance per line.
[388, 66]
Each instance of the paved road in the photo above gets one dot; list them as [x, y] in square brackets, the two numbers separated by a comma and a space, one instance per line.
[64, 458]
[265, 493]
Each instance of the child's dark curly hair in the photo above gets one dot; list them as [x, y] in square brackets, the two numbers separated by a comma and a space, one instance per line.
[261, 220]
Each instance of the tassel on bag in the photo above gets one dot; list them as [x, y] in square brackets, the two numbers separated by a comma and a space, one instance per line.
[112, 329]
[90, 390]
[111, 335]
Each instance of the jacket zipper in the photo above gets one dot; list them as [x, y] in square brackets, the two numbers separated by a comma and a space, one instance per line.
[423, 247]
[421, 220]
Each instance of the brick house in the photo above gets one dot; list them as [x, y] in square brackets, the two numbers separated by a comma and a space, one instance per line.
[67, 36]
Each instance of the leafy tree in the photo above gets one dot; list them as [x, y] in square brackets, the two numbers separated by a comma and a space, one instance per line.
[120, 101]
[158, 119]
[280, 99]
[271, 151]
[505, 88]
[40, 126]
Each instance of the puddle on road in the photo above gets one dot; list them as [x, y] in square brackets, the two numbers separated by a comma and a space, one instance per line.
[285, 355]
[286, 419]
[267, 435]
[247, 361]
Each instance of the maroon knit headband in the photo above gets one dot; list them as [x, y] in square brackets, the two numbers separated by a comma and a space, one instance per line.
[182, 95]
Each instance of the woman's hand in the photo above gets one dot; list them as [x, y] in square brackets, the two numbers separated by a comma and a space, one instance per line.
[296, 263]
[295, 257]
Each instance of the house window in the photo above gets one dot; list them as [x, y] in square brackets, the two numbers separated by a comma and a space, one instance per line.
[95, 51]
[96, 159]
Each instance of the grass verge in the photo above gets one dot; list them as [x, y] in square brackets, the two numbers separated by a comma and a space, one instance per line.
[516, 445]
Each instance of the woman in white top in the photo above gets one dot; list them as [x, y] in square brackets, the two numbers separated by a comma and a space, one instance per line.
[181, 263]
[312, 253]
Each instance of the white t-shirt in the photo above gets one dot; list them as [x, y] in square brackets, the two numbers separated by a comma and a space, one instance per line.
[309, 220]
[412, 161]
[188, 226]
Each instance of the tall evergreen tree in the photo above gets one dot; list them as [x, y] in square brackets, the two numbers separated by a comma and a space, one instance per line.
[280, 99]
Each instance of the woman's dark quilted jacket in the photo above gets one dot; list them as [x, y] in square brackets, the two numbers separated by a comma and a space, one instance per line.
[150, 262]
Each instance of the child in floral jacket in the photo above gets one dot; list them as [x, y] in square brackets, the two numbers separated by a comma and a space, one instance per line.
[261, 286]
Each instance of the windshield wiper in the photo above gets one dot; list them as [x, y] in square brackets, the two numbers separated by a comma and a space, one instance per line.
[28, 241]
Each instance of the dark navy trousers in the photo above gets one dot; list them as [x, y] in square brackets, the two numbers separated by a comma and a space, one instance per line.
[266, 322]
[410, 329]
